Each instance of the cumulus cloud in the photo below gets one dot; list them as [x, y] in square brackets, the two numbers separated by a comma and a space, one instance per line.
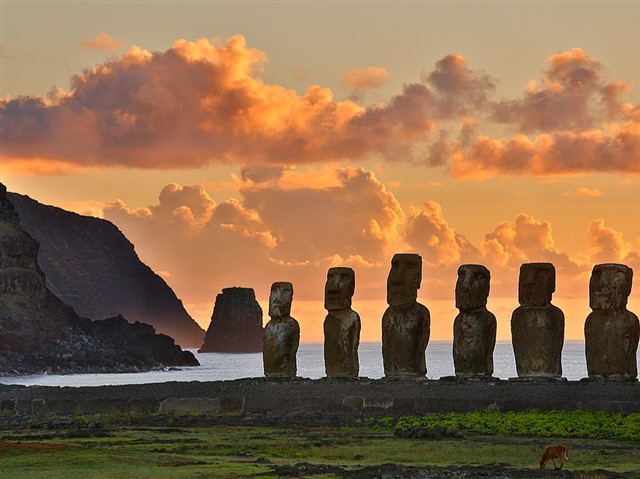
[281, 230]
[575, 122]
[189, 202]
[102, 41]
[204, 101]
[525, 240]
[296, 233]
[459, 90]
[431, 235]
[366, 78]
[357, 214]
[606, 244]
[289, 234]
[573, 96]
[201, 102]
[612, 149]
[196, 240]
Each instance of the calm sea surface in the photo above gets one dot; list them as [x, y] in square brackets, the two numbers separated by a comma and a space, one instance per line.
[224, 366]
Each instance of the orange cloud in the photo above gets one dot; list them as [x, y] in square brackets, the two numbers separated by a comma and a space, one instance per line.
[459, 89]
[341, 219]
[525, 240]
[584, 192]
[42, 167]
[204, 101]
[365, 79]
[573, 96]
[102, 41]
[268, 234]
[574, 123]
[429, 234]
[607, 244]
[558, 153]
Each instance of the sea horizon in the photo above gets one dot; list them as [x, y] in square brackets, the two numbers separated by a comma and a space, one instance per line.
[310, 359]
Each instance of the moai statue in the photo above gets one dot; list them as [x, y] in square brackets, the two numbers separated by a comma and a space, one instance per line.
[406, 323]
[611, 332]
[341, 326]
[537, 326]
[474, 329]
[281, 334]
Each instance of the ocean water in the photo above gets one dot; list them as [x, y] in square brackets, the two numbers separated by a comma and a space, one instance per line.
[225, 366]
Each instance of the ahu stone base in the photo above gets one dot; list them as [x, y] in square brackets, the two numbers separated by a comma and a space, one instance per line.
[362, 397]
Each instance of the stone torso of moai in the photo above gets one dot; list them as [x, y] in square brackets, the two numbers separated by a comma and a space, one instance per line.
[537, 326]
[611, 331]
[406, 323]
[281, 334]
[341, 326]
[474, 329]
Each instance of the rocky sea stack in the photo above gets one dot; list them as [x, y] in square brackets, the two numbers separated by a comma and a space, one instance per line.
[236, 323]
[91, 266]
[40, 333]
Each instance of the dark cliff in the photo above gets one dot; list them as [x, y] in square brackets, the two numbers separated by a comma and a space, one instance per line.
[236, 323]
[90, 265]
[39, 332]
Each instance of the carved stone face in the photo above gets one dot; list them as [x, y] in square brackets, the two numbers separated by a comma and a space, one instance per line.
[404, 279]
[536, 285]
[610, 285]
[472, 287]
[280, 300]
[339, 288]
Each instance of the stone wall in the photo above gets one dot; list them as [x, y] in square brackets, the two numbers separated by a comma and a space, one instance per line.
[362, 397]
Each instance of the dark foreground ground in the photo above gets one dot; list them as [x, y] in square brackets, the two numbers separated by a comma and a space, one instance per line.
[300, 445]
[296, 428]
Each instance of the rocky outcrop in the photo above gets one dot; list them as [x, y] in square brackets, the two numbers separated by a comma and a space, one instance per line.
[91, 266]
[236, 323]
[40, 333]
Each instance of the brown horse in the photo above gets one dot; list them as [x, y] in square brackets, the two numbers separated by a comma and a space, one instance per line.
[553, 453]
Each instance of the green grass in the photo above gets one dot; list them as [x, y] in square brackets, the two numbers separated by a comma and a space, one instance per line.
[560, 424]
[122, 450]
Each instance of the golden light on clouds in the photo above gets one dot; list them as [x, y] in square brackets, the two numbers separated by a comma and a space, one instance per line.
[315, 178]
[204, 101]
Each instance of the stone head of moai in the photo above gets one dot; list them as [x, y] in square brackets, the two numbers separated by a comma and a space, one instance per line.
[404, 279]
[339, 288]
[610, 286]
[472, 287]
[537, 284]
[280, 300]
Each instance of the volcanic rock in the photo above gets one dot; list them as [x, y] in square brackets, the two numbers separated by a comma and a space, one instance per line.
[342, 325]
[236, 323]
[474, 328]
[281, 334]
[537, 326]
[90, 265]
[406, 324]
[40, 333]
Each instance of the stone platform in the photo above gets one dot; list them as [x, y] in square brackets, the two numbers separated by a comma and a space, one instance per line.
[362, 396]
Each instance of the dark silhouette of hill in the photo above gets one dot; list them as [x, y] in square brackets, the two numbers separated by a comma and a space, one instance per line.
[39, 332]
[91, 266]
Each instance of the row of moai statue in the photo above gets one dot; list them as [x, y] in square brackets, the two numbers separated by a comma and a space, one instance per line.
[537, 326]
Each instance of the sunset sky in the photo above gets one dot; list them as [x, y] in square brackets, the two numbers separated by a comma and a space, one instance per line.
[242, 143]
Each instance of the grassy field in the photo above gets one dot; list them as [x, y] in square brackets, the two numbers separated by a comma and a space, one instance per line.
[97, 447]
